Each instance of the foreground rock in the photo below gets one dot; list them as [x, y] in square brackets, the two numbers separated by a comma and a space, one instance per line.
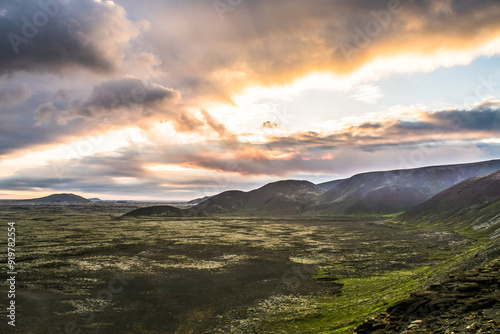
[465, 303]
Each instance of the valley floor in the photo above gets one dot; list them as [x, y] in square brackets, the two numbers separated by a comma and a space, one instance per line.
[81, 268]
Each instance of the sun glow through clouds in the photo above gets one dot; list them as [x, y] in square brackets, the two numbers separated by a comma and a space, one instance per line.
[276, 95]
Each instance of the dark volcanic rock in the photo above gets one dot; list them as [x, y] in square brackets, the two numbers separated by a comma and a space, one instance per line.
[159, 210]
[469, 302]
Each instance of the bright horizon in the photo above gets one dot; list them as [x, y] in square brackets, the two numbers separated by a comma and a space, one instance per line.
[159, 200]
[179, 100]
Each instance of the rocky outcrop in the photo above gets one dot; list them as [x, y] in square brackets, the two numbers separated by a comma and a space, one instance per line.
[465, 303]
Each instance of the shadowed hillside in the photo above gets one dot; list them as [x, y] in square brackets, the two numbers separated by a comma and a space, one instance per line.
[330, 184]
[398, 190]
[282, 197]
[472, 203]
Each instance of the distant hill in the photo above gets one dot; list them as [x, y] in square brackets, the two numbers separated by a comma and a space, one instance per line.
[57, 198]
[160, 210]
[277, 198]
[396, 191]
[472, 203]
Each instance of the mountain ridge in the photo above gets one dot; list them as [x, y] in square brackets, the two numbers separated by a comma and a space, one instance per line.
[379, 192]
[281, 197]
[395, 191]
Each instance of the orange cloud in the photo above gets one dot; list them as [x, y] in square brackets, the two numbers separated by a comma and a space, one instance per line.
[273, 43]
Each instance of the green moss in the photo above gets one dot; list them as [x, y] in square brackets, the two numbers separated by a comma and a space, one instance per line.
[378, 263]
[363, 297]
[360, 298]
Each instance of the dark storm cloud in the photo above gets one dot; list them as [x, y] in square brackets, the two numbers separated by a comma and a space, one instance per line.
[127, 92]
[258, 42]
[126, 101]
[50, 35]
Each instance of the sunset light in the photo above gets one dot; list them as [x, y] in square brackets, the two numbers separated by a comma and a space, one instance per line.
[245, 89]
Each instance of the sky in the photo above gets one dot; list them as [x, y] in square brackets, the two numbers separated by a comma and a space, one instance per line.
[175, 100]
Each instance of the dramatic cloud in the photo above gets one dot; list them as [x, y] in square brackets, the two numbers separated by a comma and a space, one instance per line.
[17, 126]
[165, 96]
[13, 96]
[478, 123]
[485, 117]
[216, 126]
[37, 122]
[122, 102]
[383, 136]
[50, 35]
[274, 42]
